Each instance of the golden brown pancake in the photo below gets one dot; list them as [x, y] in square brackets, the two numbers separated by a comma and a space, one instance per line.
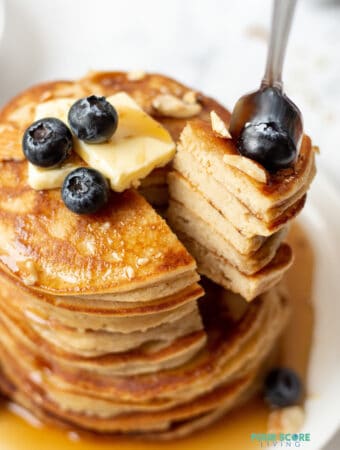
[130, 245]
[44, 219]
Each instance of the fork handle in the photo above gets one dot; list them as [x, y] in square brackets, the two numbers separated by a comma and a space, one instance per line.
[282, 18]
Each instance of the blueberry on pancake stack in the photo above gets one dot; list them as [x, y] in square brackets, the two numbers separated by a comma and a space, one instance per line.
[101, 328]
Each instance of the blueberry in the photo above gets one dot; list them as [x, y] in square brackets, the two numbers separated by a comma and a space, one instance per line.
[93, 119]
[283, 387]
[267, 143]
[47, 142]
[85, 191]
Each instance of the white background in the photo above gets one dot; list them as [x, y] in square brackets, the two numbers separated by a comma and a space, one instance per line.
[217, 46]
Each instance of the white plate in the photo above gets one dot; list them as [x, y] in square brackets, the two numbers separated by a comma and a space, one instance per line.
[321, 219]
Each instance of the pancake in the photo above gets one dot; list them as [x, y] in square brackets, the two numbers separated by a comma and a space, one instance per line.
[143, 358]
[124, 247]
[146, 89]
[209, 150]
[198, 229]
[19, 113]
[235, 194]
[219, 270]
[54, 224]
[120, 318]
[181, 188]
[96, 343]
[231, 213]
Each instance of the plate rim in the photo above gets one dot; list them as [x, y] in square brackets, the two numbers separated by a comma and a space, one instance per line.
[322, 186]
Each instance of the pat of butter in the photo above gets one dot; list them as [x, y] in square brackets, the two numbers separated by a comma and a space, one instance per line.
[139, 145]
[41, 178]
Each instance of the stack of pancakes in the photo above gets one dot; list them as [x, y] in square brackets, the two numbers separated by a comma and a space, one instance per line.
[100, 326]
[231, 213]
[166, 385]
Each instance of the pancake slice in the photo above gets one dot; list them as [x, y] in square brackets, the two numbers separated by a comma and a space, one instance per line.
[219, 270]
[200, 141]
[195, 201]
[198, 229]
[241, 215]
[231, 213]
[124, 247]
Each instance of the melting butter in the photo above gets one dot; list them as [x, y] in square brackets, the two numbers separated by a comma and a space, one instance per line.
[139, 145]
[41, 178]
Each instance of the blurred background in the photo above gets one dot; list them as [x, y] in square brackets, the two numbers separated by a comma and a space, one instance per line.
[218, 46]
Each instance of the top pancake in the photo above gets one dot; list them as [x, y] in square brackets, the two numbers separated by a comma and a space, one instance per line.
[19, 112]
[276, 190]
[125, 246]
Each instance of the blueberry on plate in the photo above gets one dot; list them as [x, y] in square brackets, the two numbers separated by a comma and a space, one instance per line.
[47, 142]
[269, 144]
[283, 387]
[85, 191]
[93, 119]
